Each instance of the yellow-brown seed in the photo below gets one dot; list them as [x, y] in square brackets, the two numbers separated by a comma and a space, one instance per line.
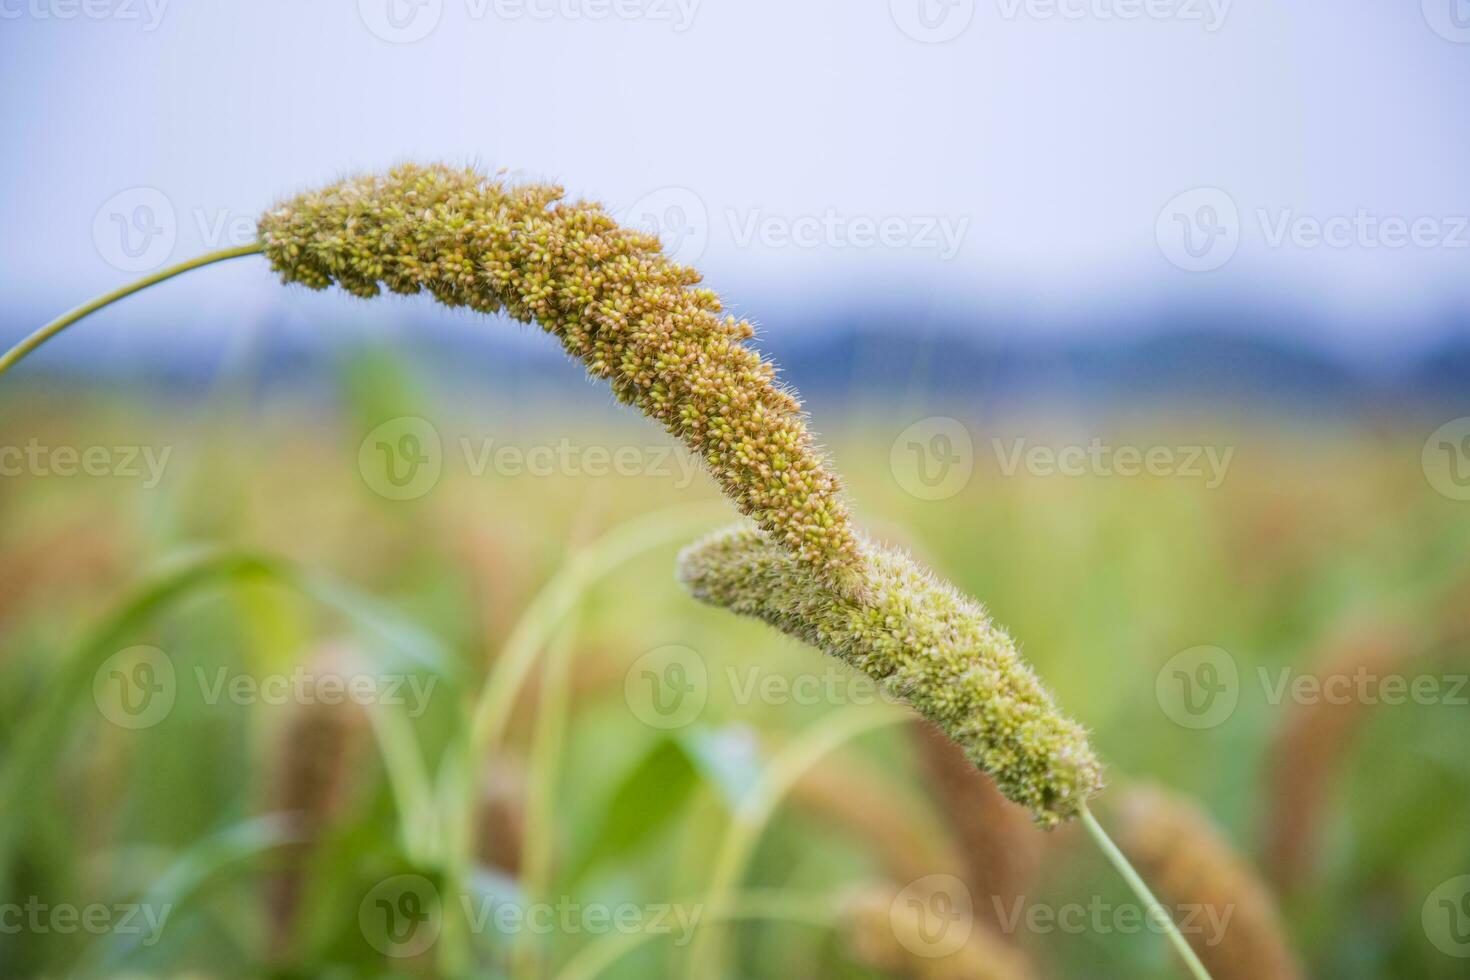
[617, 303]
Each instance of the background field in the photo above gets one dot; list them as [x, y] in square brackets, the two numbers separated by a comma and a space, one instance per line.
[1324, 547]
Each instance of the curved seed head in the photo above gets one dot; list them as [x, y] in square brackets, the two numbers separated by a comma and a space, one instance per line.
[928, 645]
[615, 301]
[643, 323]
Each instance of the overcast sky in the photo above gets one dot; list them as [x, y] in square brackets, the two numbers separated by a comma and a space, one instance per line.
[1049, 156]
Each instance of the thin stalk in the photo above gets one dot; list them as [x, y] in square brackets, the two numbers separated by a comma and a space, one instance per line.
[408, 781]
[533, 633]
[546, 750]
[1140, 888]
[540, 620]
[17, 353]
[755, 812]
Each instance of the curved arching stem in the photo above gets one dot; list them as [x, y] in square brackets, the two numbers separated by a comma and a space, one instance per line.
[1155, 909]
[15, 354]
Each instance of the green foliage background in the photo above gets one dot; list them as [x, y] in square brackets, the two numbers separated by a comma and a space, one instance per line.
[1321, 531]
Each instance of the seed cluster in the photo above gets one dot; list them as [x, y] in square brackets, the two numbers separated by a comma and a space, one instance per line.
[643, 323]
[615, 301]
[925, 643]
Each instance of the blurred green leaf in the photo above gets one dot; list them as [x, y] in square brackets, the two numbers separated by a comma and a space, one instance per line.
[232, 849]
[728, 758]
[643, 804]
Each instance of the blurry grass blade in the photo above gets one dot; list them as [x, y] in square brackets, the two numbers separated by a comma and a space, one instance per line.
[651, 795]
[408, 779]
[753, 906]
[398, 634]
[547, 745]
[750, 820]
[533, 632]
[231, 849]
[47, 729]
[184, 578]
[643, 804]
[552, 603]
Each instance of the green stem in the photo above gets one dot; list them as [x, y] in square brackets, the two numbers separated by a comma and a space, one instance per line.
[1141, 889]
[14, 356]
[534, 632]
[755, 811]
[547, 744]
[538, 624]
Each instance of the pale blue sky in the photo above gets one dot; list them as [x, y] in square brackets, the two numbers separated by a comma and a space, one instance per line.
[1023, 164]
